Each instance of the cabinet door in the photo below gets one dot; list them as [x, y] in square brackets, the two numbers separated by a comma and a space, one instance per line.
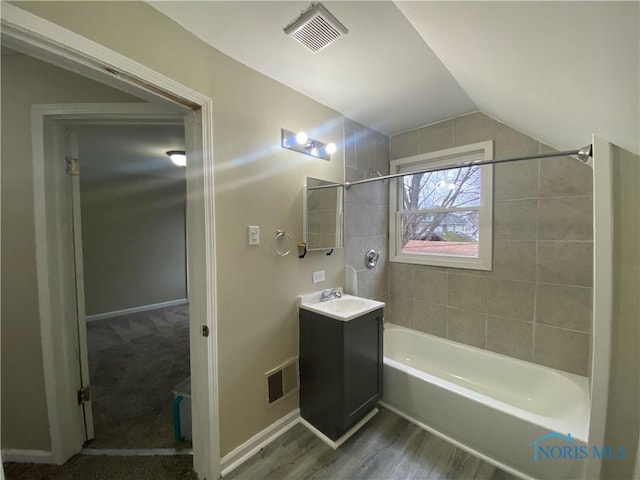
[320, 371]
[362, 387]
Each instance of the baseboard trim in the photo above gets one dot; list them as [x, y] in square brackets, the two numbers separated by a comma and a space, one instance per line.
[241, 454]
[336, 444]
[26, 456]
[135, 452]
[143, 308]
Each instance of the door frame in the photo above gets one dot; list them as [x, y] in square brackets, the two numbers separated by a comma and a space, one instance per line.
[56, 221]
[47, 41]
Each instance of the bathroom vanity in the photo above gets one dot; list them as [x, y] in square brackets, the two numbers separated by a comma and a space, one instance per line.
[340, 364]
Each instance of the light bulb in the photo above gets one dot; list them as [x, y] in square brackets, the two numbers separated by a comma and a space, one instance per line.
[441, 184]
[331, 148]
[301, 138]
[315, 152]
[179, 160]
[452, 186]
[178, 157]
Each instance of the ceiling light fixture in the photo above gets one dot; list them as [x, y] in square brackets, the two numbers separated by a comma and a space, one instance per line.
[300, 142]
[178, 157]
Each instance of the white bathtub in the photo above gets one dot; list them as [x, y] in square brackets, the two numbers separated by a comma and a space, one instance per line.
[484, 402]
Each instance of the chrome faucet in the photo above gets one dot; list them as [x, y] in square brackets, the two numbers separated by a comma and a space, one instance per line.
[330, 294]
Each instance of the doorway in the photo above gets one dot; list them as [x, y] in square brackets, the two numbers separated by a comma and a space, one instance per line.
[131, 280]
[59, 320]
[46, 41]
[57, 292]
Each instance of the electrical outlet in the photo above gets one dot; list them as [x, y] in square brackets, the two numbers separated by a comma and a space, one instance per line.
[254, 235]
[318, 276]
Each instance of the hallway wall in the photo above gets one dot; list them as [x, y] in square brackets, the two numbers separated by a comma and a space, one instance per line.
[133, 235]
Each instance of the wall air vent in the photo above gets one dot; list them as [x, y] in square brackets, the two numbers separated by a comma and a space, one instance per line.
[316, 28]
[282, 381]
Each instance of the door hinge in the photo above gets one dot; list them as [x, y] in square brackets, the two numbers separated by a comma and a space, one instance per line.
[205, 331]
[73, 168]
[84, 395]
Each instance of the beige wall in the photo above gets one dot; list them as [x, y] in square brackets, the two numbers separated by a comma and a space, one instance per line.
[256, 182]
[367, 208]
[536, 302]
[133, 240]
[623, 416]
[25, 82]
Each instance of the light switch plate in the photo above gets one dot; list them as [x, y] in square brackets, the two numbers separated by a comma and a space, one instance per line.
[318, 276]
[254, 235]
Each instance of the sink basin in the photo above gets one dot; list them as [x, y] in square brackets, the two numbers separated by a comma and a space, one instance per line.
[344, 308]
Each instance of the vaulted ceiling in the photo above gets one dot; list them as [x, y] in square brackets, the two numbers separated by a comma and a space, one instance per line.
[557, 71]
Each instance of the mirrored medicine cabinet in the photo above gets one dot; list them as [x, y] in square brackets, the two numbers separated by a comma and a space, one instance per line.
[322, 215]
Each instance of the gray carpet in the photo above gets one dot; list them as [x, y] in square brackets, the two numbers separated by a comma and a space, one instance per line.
[106, 468]
[135, 361]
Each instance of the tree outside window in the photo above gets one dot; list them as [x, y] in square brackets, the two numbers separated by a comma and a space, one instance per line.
[443, 217]
[440, 211]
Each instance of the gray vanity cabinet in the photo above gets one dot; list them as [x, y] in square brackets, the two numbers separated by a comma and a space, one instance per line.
[340, 370]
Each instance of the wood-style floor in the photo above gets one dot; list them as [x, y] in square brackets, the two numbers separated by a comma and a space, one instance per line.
[388, 447]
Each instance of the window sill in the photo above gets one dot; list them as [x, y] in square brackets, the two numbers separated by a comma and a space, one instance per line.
[441, 261]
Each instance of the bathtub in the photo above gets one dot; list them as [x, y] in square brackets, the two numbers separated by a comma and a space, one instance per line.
[489, 404]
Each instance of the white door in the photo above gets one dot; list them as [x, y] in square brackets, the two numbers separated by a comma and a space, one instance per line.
[57, 289]
[73, 172]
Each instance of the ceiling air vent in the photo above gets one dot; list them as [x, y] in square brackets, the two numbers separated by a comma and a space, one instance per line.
[316, 28]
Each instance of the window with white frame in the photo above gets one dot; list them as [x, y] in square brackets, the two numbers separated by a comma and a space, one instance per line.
[443, 217]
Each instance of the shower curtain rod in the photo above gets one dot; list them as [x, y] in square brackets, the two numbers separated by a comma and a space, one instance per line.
[583, 154]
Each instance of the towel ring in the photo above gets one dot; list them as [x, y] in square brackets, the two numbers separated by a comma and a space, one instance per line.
[281, 234]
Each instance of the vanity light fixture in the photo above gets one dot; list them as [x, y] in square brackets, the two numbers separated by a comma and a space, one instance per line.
[300, 142]
[178, 157]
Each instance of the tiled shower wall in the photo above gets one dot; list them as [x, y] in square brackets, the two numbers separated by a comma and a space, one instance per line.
[367, 207]
[536, 303]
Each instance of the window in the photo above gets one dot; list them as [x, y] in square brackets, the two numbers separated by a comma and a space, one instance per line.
[445, 217]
